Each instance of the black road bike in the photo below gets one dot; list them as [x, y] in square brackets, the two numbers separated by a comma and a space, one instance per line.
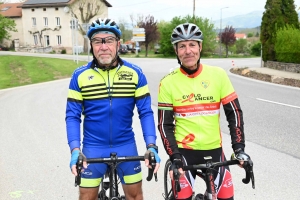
[109, 184]
[207, 176]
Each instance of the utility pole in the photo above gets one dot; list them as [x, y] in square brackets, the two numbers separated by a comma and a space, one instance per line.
[194, 12]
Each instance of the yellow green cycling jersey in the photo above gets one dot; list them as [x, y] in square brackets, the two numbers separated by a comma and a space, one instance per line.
[192, 104]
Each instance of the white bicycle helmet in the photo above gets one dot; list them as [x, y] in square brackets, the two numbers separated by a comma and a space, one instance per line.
[104, 25]
[186, 31]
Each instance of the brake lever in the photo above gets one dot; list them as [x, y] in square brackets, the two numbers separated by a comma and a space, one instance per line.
[176, 176]
[79, 166]
[152, 162]
[248, 166]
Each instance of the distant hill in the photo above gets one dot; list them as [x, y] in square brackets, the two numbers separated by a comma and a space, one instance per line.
[250, 20]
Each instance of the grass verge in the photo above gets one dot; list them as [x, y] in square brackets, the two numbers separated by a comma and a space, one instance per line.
[23, 70]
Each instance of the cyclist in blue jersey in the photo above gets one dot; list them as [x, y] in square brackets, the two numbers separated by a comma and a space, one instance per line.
[105, 92]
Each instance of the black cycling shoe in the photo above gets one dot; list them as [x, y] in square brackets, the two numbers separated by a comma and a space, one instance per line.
[199, 197]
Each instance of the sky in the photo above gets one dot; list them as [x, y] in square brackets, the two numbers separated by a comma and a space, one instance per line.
[167, 9]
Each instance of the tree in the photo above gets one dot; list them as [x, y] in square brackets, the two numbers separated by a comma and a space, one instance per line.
[6, 25]
[151, 31]
[278, 13]
[256, 49]
[240, 45]
[207, 28]
[228, 38]
[88, 9]
[126, 34]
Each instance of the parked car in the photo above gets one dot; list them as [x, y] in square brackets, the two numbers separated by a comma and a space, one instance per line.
[2, 48]
[123, 49]
[130, 48]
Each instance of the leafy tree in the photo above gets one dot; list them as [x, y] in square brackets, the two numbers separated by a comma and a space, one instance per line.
[250, 35]
[88, 9]
[166, 28]
[6, 25]
[228, 38]
[126, 34]
[278, 13]
[151, 31]
[240, 45]
[256, 49]
[287, 45]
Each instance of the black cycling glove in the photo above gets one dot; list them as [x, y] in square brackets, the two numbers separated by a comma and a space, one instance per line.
[241, 155]
[176, 161]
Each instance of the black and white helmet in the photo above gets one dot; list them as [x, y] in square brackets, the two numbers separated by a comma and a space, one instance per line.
[186, 31]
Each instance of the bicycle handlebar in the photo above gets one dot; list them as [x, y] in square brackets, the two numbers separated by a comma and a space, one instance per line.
[114, 159]
[248, 167]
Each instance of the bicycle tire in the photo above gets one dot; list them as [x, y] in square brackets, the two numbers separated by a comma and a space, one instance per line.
[167, 181]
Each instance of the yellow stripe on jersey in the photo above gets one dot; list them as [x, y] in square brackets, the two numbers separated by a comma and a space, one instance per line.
[142, 91]
[72, 94]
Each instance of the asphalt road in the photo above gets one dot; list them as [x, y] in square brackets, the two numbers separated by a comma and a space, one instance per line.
[34, 159]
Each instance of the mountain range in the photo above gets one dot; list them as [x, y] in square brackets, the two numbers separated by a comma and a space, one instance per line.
[249, 20]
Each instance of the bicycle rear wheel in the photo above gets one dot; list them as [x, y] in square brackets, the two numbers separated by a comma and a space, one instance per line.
[167, 182]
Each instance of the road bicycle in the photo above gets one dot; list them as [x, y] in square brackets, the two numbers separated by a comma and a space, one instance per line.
[109, 184]
[207, 176]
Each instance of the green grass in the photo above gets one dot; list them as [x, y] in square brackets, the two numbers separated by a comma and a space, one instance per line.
[23, 70]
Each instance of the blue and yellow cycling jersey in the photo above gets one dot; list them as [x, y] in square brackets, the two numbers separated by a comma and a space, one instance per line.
[107, 99]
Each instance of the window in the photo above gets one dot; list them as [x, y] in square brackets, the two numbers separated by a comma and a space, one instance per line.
[58, 39]
[47, 40]
[46, 21]
[57, 19]
[56, 8]
[33, 21]
[44, 9]
[32, 10]
[35, 39]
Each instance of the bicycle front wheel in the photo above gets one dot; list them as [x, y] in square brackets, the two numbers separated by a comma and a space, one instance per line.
[167, 181]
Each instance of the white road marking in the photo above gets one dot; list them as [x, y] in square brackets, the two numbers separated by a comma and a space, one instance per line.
[278, 103]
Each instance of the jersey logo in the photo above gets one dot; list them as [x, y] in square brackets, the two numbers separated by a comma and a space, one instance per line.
[188, 139]
[189, 98]
[90, 77]
[196, 97]
[127, 76]
[205, 84]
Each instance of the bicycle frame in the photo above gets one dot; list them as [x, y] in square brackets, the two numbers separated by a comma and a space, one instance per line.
[208, 175]
[113, 161]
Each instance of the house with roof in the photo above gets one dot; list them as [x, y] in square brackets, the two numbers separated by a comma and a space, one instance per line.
[240, 36]
[47, 23]
[14, 12]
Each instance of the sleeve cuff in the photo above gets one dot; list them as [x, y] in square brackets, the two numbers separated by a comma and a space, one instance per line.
[74, 144]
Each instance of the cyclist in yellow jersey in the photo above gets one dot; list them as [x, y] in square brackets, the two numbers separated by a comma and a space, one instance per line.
[189, 102]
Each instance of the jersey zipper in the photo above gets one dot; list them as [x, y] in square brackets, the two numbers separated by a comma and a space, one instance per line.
[110, 93]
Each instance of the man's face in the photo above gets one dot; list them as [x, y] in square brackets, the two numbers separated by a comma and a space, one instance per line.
[105, 52]
[188, 53]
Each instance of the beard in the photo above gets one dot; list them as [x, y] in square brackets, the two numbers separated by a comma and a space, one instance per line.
[105, 60]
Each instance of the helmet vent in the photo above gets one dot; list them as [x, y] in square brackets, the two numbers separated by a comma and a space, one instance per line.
[198, 33]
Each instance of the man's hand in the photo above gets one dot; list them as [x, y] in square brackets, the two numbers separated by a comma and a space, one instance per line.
[176, 164]
[157, 159]
[241, 156]
[74, 159]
